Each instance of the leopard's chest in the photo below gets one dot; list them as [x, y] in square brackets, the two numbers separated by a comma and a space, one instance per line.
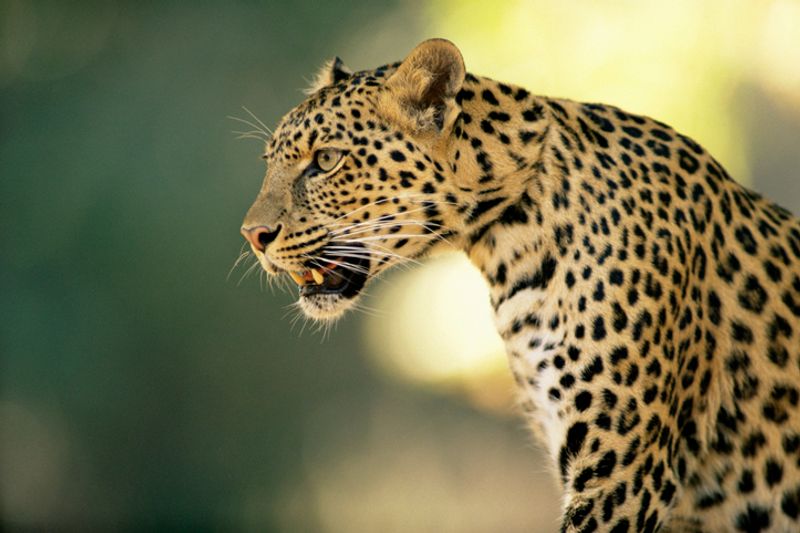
[534, 332]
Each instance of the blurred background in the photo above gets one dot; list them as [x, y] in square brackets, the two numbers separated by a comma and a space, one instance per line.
[141, 388]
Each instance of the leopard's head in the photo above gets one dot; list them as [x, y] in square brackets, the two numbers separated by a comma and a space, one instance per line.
[358, 179]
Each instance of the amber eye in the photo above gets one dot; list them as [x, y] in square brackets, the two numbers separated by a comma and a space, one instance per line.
[327, 158]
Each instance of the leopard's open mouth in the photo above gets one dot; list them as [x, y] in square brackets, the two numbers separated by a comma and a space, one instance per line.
[332, 274]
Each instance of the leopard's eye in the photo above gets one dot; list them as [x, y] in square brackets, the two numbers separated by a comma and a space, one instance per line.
[327, 158]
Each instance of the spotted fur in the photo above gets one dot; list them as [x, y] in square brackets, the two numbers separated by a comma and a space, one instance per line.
[649, 304]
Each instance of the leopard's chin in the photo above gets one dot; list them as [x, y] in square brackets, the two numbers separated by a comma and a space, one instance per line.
[325, 307]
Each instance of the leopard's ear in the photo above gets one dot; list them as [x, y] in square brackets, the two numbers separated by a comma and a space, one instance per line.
[420, 95]
[331, 73]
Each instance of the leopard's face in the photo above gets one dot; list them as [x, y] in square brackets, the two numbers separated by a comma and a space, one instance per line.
[347, 193]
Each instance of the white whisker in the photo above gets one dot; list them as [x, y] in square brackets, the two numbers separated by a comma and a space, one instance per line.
[369, 254]
[248, 123]
[248, 272]
[393, 236]
[250, 135]
[346, 266]
[372, 229]
[257, 120]
[243, 254]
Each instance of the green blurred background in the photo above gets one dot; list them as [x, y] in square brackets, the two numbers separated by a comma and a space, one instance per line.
[140, 389]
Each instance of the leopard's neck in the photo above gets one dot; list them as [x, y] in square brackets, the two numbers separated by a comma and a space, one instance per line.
[503, 177]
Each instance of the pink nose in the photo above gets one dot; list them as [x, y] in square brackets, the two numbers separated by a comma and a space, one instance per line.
[261, 236]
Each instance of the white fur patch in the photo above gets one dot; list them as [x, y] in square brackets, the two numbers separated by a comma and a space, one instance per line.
[325, 306]
[531, 351]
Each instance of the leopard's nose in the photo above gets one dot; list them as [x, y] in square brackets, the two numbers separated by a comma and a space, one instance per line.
[261, 236]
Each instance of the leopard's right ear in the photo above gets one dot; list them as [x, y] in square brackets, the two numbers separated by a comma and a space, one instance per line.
[420, 95]
[331, 73]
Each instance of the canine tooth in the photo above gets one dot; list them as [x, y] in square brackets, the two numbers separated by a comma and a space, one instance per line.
[318, 277]
[297, 278]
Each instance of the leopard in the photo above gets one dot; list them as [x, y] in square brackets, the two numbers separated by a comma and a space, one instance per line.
[649, 304]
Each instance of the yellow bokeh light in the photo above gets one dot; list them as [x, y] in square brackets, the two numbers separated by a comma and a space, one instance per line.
[681, 62]
[434, 327]
[440, 308]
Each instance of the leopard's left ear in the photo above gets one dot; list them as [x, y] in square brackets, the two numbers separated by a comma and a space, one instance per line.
[331, 73]
[420, 95]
